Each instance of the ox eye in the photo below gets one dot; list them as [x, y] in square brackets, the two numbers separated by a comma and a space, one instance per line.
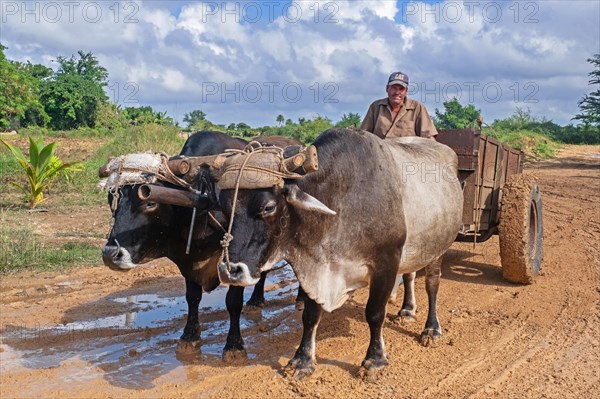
[150, 206]
[269, 208]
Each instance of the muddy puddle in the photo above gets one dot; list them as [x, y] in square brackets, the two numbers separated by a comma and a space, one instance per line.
[133, 348]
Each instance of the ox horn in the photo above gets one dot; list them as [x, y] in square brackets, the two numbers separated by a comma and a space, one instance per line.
[173, 196]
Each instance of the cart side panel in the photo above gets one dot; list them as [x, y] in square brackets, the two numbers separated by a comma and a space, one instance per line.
[465, 142]
[512, 164]
[490, 182]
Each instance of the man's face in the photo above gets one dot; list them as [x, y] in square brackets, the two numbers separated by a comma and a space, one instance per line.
[396, 94]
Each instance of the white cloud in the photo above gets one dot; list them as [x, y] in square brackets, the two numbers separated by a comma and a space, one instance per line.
[171, 51]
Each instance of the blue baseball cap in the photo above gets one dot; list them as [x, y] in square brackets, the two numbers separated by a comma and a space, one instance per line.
[398, 78]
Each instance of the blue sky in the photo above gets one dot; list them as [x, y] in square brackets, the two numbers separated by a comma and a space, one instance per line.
[249, 61]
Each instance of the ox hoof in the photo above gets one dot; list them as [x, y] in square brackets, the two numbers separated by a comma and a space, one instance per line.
[393, 301]
[407, 316]
[370, 368]
[233, 355]
[430, 337]
[299, 369]
[255, 303]
[188, 346]
[404, 316]
[252, 309]
[300, 305]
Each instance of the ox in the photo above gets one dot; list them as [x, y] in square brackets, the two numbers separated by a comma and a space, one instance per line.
[375, 208]
[143, 231]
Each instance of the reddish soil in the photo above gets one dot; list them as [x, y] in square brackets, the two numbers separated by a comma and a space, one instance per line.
[94, 333]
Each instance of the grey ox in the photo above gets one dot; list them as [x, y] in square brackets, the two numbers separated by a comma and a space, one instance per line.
[374, 209]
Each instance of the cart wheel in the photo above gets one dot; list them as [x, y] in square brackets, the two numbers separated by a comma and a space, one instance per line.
[521, 229]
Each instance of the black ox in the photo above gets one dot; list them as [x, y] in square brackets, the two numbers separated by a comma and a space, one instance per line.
[143, 231]
[374, 209]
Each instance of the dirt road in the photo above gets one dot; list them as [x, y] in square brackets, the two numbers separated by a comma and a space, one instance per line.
[93, 333]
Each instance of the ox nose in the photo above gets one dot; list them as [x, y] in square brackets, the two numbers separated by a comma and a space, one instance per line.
[116, 257]
[236, 274]
[110, 254]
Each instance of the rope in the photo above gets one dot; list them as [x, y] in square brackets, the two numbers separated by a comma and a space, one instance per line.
[116, 191]
[227, 237]
[163, 173]
[214, 219]
[168, 176]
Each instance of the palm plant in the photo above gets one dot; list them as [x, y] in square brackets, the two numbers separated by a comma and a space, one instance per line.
[42, 168]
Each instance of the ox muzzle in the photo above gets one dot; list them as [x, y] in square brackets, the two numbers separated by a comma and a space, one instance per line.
[236, 274]
[117, 258]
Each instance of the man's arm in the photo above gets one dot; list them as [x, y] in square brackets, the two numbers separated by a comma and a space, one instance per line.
[368, 123]
[424, 126]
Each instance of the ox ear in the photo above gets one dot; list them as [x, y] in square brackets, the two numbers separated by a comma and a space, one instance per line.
[300, 200]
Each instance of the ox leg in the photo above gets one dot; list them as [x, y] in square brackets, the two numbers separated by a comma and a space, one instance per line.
[234, 348]
[300, 298]
[379, 292]
[432, 331]
[409, 304]
[257, 300]
[304, 361]
[191, 332]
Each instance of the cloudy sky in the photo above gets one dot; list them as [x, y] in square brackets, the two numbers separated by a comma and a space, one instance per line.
[249, 61]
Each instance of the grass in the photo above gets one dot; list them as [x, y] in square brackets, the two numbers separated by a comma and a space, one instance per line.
[21, 248]
[533, 144]
[81, 189]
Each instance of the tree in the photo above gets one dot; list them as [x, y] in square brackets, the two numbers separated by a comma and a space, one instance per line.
[589, 104]
[139, 115]
[72, 98]
[194, 116]
[456, 116]
[307, 130]
[161, 118]
[521, 119]
[19, 92]
[244, 129]
[280, 119]
[35, 114]
[87, 66]
[349, 120]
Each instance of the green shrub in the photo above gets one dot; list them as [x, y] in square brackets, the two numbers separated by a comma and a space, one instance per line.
[151, 137]
[533, 144]
[41, 168]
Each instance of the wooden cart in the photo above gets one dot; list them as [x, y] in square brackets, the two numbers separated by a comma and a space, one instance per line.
[499, 199]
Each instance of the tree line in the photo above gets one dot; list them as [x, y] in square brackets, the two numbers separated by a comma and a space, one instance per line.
[73, 97]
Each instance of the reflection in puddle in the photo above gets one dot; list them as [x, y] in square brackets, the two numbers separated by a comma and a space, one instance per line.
[132, 349]
[592, 155]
